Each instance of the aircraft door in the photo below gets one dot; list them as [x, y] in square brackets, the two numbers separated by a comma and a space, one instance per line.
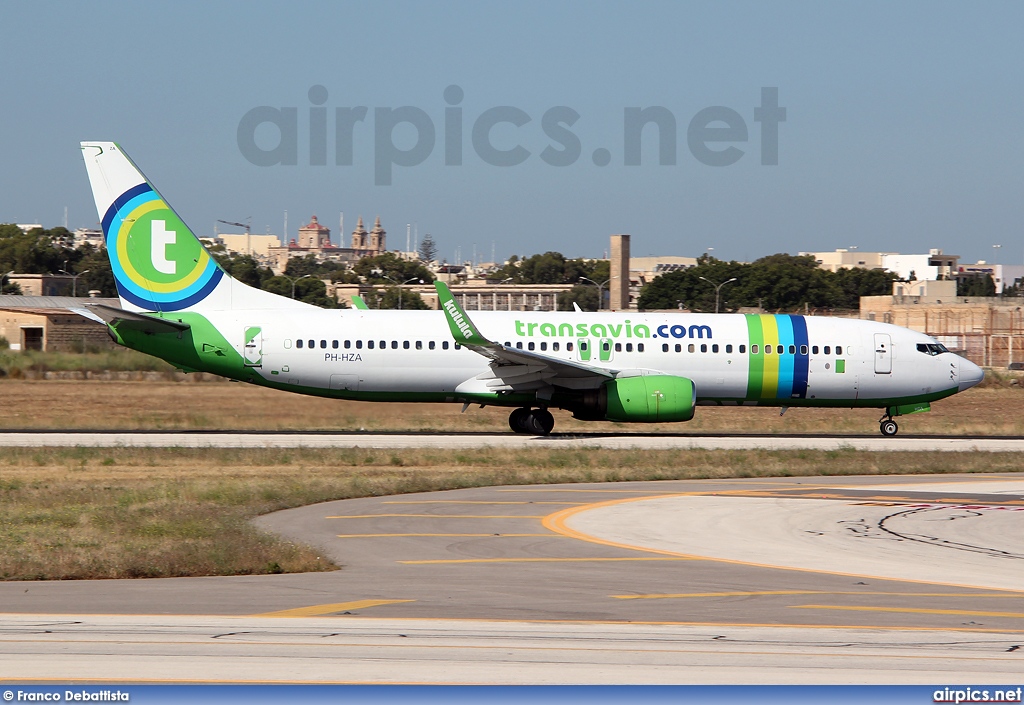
[883, 354]
[583, 349]
[252, 351]
[604, 349]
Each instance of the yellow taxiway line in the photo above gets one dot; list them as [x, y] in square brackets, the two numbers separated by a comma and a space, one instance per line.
[334, 608]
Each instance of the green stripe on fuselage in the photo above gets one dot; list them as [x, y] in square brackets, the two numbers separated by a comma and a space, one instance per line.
[755, 369]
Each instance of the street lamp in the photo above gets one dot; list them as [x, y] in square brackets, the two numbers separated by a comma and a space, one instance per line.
[718, 288]
[600, 297]
[74, 279]
[294, 280]
[413, 279]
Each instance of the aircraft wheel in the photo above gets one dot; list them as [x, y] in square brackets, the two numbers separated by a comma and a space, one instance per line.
[541, 422]
[889, 427]
[517, 421]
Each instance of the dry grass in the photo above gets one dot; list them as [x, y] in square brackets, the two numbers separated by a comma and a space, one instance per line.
[140, 512]
[92, 513]
[994, 409]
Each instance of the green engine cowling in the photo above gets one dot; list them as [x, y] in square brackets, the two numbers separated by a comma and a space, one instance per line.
[650, 399]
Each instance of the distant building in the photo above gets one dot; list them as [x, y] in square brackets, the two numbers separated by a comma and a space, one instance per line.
[45, 323]
[315, 239]
[43, 284]
[934, 265]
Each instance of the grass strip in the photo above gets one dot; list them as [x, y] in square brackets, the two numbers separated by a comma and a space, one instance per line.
[81, 513]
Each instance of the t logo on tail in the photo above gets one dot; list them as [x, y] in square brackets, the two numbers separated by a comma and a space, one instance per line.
[160, 238]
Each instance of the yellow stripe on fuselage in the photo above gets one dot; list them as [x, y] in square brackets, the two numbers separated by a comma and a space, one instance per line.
[770, 384]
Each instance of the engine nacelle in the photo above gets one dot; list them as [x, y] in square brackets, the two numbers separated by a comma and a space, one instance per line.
[646, 399]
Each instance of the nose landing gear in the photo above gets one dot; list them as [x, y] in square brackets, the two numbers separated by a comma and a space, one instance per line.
[538, 422]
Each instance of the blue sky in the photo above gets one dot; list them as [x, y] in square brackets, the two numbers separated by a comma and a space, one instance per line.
[903, 128]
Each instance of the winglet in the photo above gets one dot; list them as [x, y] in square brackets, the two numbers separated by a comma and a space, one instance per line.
[357, 302]
[463, 330]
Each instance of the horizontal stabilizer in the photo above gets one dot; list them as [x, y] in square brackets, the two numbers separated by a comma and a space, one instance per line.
[135, 321]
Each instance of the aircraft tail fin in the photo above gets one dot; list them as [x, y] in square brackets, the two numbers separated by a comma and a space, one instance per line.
[158, 262]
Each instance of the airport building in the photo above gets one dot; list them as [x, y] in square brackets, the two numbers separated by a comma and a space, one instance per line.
[45, 323]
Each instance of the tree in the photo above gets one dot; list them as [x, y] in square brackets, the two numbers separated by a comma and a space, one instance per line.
[976, 286]
[428, 249]
[583, 294]
[389, 267]
[389, 297]
[98, 275]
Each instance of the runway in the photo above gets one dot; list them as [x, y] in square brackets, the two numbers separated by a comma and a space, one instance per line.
[465, 441]
[785, 580]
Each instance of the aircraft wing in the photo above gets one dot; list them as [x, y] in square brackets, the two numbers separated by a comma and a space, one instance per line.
[512, 369]
[129, 319]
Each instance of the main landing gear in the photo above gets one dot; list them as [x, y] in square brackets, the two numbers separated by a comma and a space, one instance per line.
[887, 426]
[538, 422]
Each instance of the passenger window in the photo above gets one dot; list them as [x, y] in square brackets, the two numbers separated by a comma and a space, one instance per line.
[288, 344]
[383, 344]
[431, 345]
[814, 349]
[618, 347]
[334, 344]
[583, 346]
[767, 349]
[419, 344]
[703, 347]
[323, 344]
[828, 350]
[780, 349]
[728, 348]
[803, 349]
[690, 348]
[743, 349]
[792, 350]
[458, 347]
[606, 346]
[568, 346]
[839, 350]
[529, 346]
[519, 345]
[639, 347]
[543, 346]
[629, 347]
[444, 344]
[753, 349]
[369, 344]
[679, 348]
[312, 344]
[348, 344]
[359, 345]
[554, 347]
[714, 348]
[664, 347]
[298, 344]
[405, 344]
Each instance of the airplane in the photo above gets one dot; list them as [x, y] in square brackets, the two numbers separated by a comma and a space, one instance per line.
[179, 305]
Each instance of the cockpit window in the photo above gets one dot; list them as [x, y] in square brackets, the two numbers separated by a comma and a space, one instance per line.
[932, 348]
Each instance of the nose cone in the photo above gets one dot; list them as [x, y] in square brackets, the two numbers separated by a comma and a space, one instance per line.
[970, 374]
